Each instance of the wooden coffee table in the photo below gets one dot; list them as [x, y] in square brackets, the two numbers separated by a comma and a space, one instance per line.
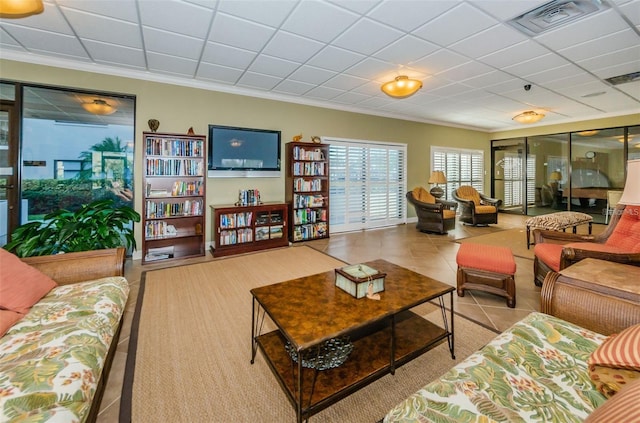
[385, 334]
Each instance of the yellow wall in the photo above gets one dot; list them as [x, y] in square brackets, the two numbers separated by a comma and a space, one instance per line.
[178, 108]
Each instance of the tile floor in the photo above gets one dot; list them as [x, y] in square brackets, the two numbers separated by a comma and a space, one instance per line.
[430, 254]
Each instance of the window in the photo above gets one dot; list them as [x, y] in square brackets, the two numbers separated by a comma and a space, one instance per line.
[460, 166]
[71, 156]
[514, 177]
[367, 184]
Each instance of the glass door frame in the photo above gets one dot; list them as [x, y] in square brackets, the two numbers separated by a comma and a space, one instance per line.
[503, 145]
[10, 182]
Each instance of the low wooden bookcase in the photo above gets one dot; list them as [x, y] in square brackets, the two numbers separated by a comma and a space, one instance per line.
[240, 229]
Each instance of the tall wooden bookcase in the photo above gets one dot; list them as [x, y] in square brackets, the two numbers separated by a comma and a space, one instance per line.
[174, 190]
[307, 190]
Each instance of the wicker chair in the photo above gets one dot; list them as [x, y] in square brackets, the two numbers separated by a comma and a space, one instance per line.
[434, 215]
[476, 208]
[620, 242]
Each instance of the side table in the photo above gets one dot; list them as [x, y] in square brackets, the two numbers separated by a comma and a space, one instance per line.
[607, 288]
[557, 221]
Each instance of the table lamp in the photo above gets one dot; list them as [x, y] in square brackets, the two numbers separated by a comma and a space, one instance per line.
[631, 192]
[437, 177]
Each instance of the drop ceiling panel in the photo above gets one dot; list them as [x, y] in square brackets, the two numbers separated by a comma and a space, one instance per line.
[124, 10]
[222, 74]
[488, 41]
[271, 13]
[440, 61]
[104, 52]
[292, 47]
[593, 26]
[532, 67]
[454, 25]
[171, 64]
[335, 59]
[121, 32]
[472, 62]
[617, 41]
[319, 21]
[312, 75]
[258, 81]
[220, 54]
[240, 33]
[177, 16]
[273, 66]
[407, 15]
[367, 37]
[293, 87]
[406, 50]
[171, 44]
[517, 53]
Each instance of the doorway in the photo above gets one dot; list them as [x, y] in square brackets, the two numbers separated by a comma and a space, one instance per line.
[9, 209]
[513, 175]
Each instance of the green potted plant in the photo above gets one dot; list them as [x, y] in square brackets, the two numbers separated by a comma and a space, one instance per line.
[98, 225]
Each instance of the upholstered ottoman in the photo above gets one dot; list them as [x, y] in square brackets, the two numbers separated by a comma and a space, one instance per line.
[487, 268]
[558, 221]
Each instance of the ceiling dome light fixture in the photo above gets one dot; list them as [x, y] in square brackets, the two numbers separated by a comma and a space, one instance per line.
[99, 107]
[528, 117]
[15, 9]
[401, 87]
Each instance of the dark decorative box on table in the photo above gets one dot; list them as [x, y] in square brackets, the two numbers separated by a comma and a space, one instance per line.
[357, 279]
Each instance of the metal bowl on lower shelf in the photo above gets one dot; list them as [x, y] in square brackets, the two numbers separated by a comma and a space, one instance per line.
[328, 355]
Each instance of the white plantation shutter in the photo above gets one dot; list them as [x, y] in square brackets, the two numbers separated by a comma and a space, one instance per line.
[461, 167]
[514, 177]
[367, 184]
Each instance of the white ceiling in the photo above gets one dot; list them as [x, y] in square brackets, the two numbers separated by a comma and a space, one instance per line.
[336, 54]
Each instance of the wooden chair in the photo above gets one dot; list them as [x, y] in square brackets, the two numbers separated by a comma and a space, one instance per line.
[476, 208]
[620, 243]
[434, 215]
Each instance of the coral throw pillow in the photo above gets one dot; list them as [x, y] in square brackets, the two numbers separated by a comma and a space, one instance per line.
[624, 407]
[8, 318]
[616, 362]
[21, 285]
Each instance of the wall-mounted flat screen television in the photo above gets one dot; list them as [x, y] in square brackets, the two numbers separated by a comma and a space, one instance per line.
[243, 152]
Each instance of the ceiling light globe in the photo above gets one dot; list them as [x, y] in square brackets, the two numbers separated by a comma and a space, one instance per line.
[401, 87]
[15, 9]
[528, 117]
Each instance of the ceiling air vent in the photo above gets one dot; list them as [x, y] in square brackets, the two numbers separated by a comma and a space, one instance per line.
[554, 14]
[623, 79]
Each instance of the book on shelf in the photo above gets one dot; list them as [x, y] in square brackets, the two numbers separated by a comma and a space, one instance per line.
[262, 233]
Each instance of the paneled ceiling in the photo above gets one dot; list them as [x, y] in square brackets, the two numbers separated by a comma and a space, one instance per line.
[473, 63]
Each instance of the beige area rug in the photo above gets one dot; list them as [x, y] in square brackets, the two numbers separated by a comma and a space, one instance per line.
[190, 348]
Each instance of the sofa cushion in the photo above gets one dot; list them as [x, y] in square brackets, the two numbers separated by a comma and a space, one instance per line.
[616, 362]
[424, 196]
[448, 214]
[549, 254]
[535, 371]
[51, 361]
[624, 407]
[626, 234]
[7, 319]
[468, 193]
[486, 209]
[21, 285]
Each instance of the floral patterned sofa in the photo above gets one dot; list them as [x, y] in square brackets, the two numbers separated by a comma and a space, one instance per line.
[55, 359]
[541, 369]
